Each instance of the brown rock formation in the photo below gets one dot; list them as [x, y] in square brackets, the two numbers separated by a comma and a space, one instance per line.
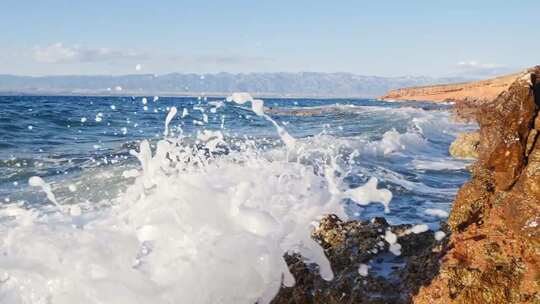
[494, 250]
[349, 244]
[484, 90]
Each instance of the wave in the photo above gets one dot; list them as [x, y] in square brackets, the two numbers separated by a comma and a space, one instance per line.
[194, 223]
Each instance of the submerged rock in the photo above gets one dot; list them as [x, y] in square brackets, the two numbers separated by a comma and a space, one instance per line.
[365, 271]
[465, 145]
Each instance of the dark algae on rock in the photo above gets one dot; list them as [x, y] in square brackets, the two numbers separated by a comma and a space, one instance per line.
[390, 279]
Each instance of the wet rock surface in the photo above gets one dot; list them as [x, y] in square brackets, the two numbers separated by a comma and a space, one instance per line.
[494, 251]
[354, 245]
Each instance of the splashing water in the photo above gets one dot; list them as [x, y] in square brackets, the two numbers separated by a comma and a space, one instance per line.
[204, 222]
[257, 106]
[170, 116]
[36, 181]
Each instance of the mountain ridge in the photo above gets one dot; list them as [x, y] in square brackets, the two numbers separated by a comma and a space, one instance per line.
[283, 84]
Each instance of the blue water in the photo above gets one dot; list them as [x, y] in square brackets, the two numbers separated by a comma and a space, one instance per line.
[404, 145]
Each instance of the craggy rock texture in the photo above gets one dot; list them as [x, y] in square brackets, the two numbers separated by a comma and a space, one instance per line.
[349, 244]
[494, 250]
[465, 145]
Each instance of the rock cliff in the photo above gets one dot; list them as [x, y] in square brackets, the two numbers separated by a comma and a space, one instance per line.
[484, 90]
[494, 251]
[491, 253]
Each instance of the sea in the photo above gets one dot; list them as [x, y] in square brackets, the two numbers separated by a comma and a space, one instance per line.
[151, 199]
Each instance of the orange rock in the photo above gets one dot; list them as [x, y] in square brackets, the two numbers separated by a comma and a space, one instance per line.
[484, 90]
[494, 251]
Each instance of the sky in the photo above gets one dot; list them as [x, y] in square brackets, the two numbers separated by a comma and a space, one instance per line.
[384, 38]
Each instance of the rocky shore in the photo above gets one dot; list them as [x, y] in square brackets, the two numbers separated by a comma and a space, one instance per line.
[494, 251]
[373, 262]
[477, 91]
[489, 252]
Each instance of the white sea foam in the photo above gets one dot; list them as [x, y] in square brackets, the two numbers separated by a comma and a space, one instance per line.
[390, 237]
[363, 270]
[197, 225]
[99, 117]
[436, 212]
[439, 235]
[369, 193]
[416, 229]
[72, 187]
[393, 141]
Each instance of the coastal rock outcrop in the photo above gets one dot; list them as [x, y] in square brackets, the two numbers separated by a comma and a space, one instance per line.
[480, 91]
[365, 271]
[494, 251]
[491, 251]
[465, 145]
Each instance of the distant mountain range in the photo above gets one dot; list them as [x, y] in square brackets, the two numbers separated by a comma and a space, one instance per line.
[306, 84]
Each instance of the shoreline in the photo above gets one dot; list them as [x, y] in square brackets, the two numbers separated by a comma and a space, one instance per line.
[480, 91]
[489, 250]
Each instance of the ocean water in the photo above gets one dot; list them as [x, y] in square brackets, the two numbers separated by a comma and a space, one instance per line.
[156, 200]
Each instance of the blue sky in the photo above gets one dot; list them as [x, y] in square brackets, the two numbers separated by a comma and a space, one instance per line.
[386, 38]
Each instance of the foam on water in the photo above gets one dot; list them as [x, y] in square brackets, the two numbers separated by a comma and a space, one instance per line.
[202, 222]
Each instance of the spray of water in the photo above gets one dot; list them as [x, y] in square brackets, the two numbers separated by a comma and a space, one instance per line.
[201, 223]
